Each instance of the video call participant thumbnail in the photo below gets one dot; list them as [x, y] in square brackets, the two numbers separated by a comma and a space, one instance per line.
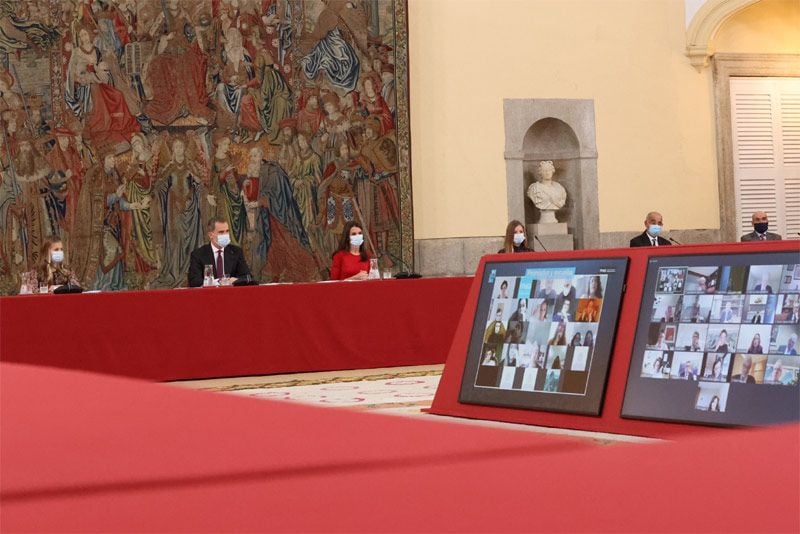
[744, 374]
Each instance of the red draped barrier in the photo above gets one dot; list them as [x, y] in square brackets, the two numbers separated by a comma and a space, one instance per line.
[85, 453]
[236, 331]
[446, 400]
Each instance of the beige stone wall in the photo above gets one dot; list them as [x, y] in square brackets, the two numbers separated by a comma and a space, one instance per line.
[767, 27]
[654, 112]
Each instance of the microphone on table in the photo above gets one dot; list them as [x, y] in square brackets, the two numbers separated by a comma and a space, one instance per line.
[675, 241]
[247, 280]
[67, 289]
[408, 273]
[536, 237]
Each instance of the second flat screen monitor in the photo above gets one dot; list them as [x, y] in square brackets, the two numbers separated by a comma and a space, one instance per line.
[716, 342]
[542, 334]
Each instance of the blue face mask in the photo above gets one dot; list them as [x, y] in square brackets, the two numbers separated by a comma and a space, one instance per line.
[357, 240]
[57, 256]
[519, 239]
[224, 240]
[654, 229]
[761, 228]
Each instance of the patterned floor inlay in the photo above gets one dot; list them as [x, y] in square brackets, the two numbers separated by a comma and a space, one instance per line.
[374, 392]
[309, 381]
[402, 391]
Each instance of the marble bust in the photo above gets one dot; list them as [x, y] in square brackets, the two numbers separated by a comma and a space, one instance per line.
[547, 194]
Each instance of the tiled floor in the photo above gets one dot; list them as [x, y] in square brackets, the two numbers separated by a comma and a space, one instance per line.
[403, 391]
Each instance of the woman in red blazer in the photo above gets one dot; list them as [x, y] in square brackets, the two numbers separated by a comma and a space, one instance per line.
[351, 260]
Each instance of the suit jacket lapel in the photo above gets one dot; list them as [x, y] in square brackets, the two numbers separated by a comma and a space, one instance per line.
[229, 255]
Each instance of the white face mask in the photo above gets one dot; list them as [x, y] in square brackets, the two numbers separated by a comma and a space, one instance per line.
[57, 256]
[519, 239]
[357, 240]
[224, 240]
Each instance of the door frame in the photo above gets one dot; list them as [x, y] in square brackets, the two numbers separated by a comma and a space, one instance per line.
[726, 66]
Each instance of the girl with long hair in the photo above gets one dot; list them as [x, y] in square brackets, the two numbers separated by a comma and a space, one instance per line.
[52, 269]
[515, 240]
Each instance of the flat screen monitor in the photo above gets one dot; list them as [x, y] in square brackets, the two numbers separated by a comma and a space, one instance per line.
[716, 342]
[542, 334]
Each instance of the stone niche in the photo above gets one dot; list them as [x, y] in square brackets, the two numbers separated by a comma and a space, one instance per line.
[561, 130]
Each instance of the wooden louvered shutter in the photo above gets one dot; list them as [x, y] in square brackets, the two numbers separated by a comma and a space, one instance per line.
[765, 116]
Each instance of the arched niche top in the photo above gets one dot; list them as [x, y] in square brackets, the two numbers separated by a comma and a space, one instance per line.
[550, 138]
[521, 116]
[704, 26]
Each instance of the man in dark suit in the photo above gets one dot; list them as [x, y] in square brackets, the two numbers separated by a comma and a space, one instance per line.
[650, 238]
[763, 286]
[688, 371]
[760, 226]
[695, 346]
[744, 374]
[226, 260]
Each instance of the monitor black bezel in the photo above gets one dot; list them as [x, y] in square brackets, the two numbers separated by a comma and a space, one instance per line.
[702, 418]
[591, 402]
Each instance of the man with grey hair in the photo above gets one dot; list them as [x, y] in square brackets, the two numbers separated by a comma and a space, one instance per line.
[650, 237]
[760, 225]
[744, 373]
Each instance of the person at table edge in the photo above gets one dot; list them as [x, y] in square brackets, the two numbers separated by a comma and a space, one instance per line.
[351, 259]
[52, 268]
[226, 259]
[515, 240]
[760, 222]
[650, 237]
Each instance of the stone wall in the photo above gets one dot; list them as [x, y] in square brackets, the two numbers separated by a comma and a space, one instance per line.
[459, 256]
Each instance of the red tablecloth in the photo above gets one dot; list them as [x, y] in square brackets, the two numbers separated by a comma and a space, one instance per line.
[218, 332]
[84, 453]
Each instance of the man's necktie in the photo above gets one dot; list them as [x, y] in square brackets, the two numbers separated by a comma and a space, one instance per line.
[763, 237]
[655, 242]
[220, 272]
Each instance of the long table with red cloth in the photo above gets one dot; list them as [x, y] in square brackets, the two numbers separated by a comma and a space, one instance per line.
[236, 331]
[92, 453]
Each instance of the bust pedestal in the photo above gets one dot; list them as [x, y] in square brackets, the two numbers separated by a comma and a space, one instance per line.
[547, 217]
[553, 228]
[554, 236]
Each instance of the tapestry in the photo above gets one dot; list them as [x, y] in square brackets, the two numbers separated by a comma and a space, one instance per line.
[128, 124]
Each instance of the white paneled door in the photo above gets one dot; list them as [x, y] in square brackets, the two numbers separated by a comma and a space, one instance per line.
[765, 123]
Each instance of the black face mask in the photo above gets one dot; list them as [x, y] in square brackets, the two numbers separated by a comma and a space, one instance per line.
[761, 228]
